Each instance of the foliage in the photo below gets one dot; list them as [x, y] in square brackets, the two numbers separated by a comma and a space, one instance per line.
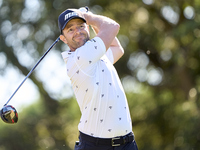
[159, 71]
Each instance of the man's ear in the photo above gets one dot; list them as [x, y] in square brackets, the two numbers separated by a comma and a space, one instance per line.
[62, 37]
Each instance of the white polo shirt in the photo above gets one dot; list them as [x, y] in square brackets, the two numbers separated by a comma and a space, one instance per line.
[98, 90]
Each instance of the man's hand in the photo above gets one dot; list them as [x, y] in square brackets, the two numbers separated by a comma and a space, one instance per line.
[84, 9]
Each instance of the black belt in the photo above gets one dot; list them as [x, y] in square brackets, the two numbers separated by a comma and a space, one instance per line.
[116, 141]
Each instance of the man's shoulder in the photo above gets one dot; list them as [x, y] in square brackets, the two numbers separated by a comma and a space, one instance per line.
[95, 40]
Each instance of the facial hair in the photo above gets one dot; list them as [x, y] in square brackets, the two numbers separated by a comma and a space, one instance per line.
[76, 44]
[80, 43]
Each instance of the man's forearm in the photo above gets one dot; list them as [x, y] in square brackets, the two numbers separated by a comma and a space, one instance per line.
[105, 27]
[98, 21]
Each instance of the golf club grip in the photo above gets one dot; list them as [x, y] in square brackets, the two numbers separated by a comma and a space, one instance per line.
[55, 42]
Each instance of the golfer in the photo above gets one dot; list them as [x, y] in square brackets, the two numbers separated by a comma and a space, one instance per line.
[105, 122]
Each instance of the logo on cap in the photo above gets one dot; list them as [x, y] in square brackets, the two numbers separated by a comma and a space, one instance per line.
[70, 15]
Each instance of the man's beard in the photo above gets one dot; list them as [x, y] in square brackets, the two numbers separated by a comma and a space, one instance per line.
[77, 44]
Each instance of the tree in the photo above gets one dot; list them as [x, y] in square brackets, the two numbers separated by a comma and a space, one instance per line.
[159, 71]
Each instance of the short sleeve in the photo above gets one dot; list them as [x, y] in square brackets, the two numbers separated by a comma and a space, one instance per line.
[109, 55]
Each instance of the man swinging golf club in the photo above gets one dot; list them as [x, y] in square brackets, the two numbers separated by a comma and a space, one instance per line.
[105, 122]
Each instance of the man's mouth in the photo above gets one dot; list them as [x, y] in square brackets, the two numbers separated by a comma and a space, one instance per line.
[79, 37]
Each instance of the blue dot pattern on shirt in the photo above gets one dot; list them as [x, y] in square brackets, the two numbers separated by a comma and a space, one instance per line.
[98, 91]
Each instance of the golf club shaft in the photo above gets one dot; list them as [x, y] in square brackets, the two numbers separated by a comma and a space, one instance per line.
[56, 41]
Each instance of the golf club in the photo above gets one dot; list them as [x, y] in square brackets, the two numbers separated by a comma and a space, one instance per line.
[9, 113]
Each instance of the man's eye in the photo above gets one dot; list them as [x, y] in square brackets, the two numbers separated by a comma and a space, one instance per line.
[70, 30]
[82, 26]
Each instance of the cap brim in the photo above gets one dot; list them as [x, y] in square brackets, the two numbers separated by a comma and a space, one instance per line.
[74, 17]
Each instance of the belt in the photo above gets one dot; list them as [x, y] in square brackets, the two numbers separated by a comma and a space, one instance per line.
[116, 141]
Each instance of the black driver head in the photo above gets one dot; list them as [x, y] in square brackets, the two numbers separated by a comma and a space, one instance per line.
[9, 114]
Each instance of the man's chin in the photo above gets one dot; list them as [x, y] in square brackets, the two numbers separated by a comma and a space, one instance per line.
[82, 42]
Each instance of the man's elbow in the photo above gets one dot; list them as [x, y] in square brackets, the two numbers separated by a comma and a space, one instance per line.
[116, 27]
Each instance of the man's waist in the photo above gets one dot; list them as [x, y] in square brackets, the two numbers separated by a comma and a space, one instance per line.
[115, 141]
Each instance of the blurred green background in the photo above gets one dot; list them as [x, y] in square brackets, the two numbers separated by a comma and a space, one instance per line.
[159, 71]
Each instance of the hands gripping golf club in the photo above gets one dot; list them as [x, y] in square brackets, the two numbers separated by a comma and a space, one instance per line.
[8, 113]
